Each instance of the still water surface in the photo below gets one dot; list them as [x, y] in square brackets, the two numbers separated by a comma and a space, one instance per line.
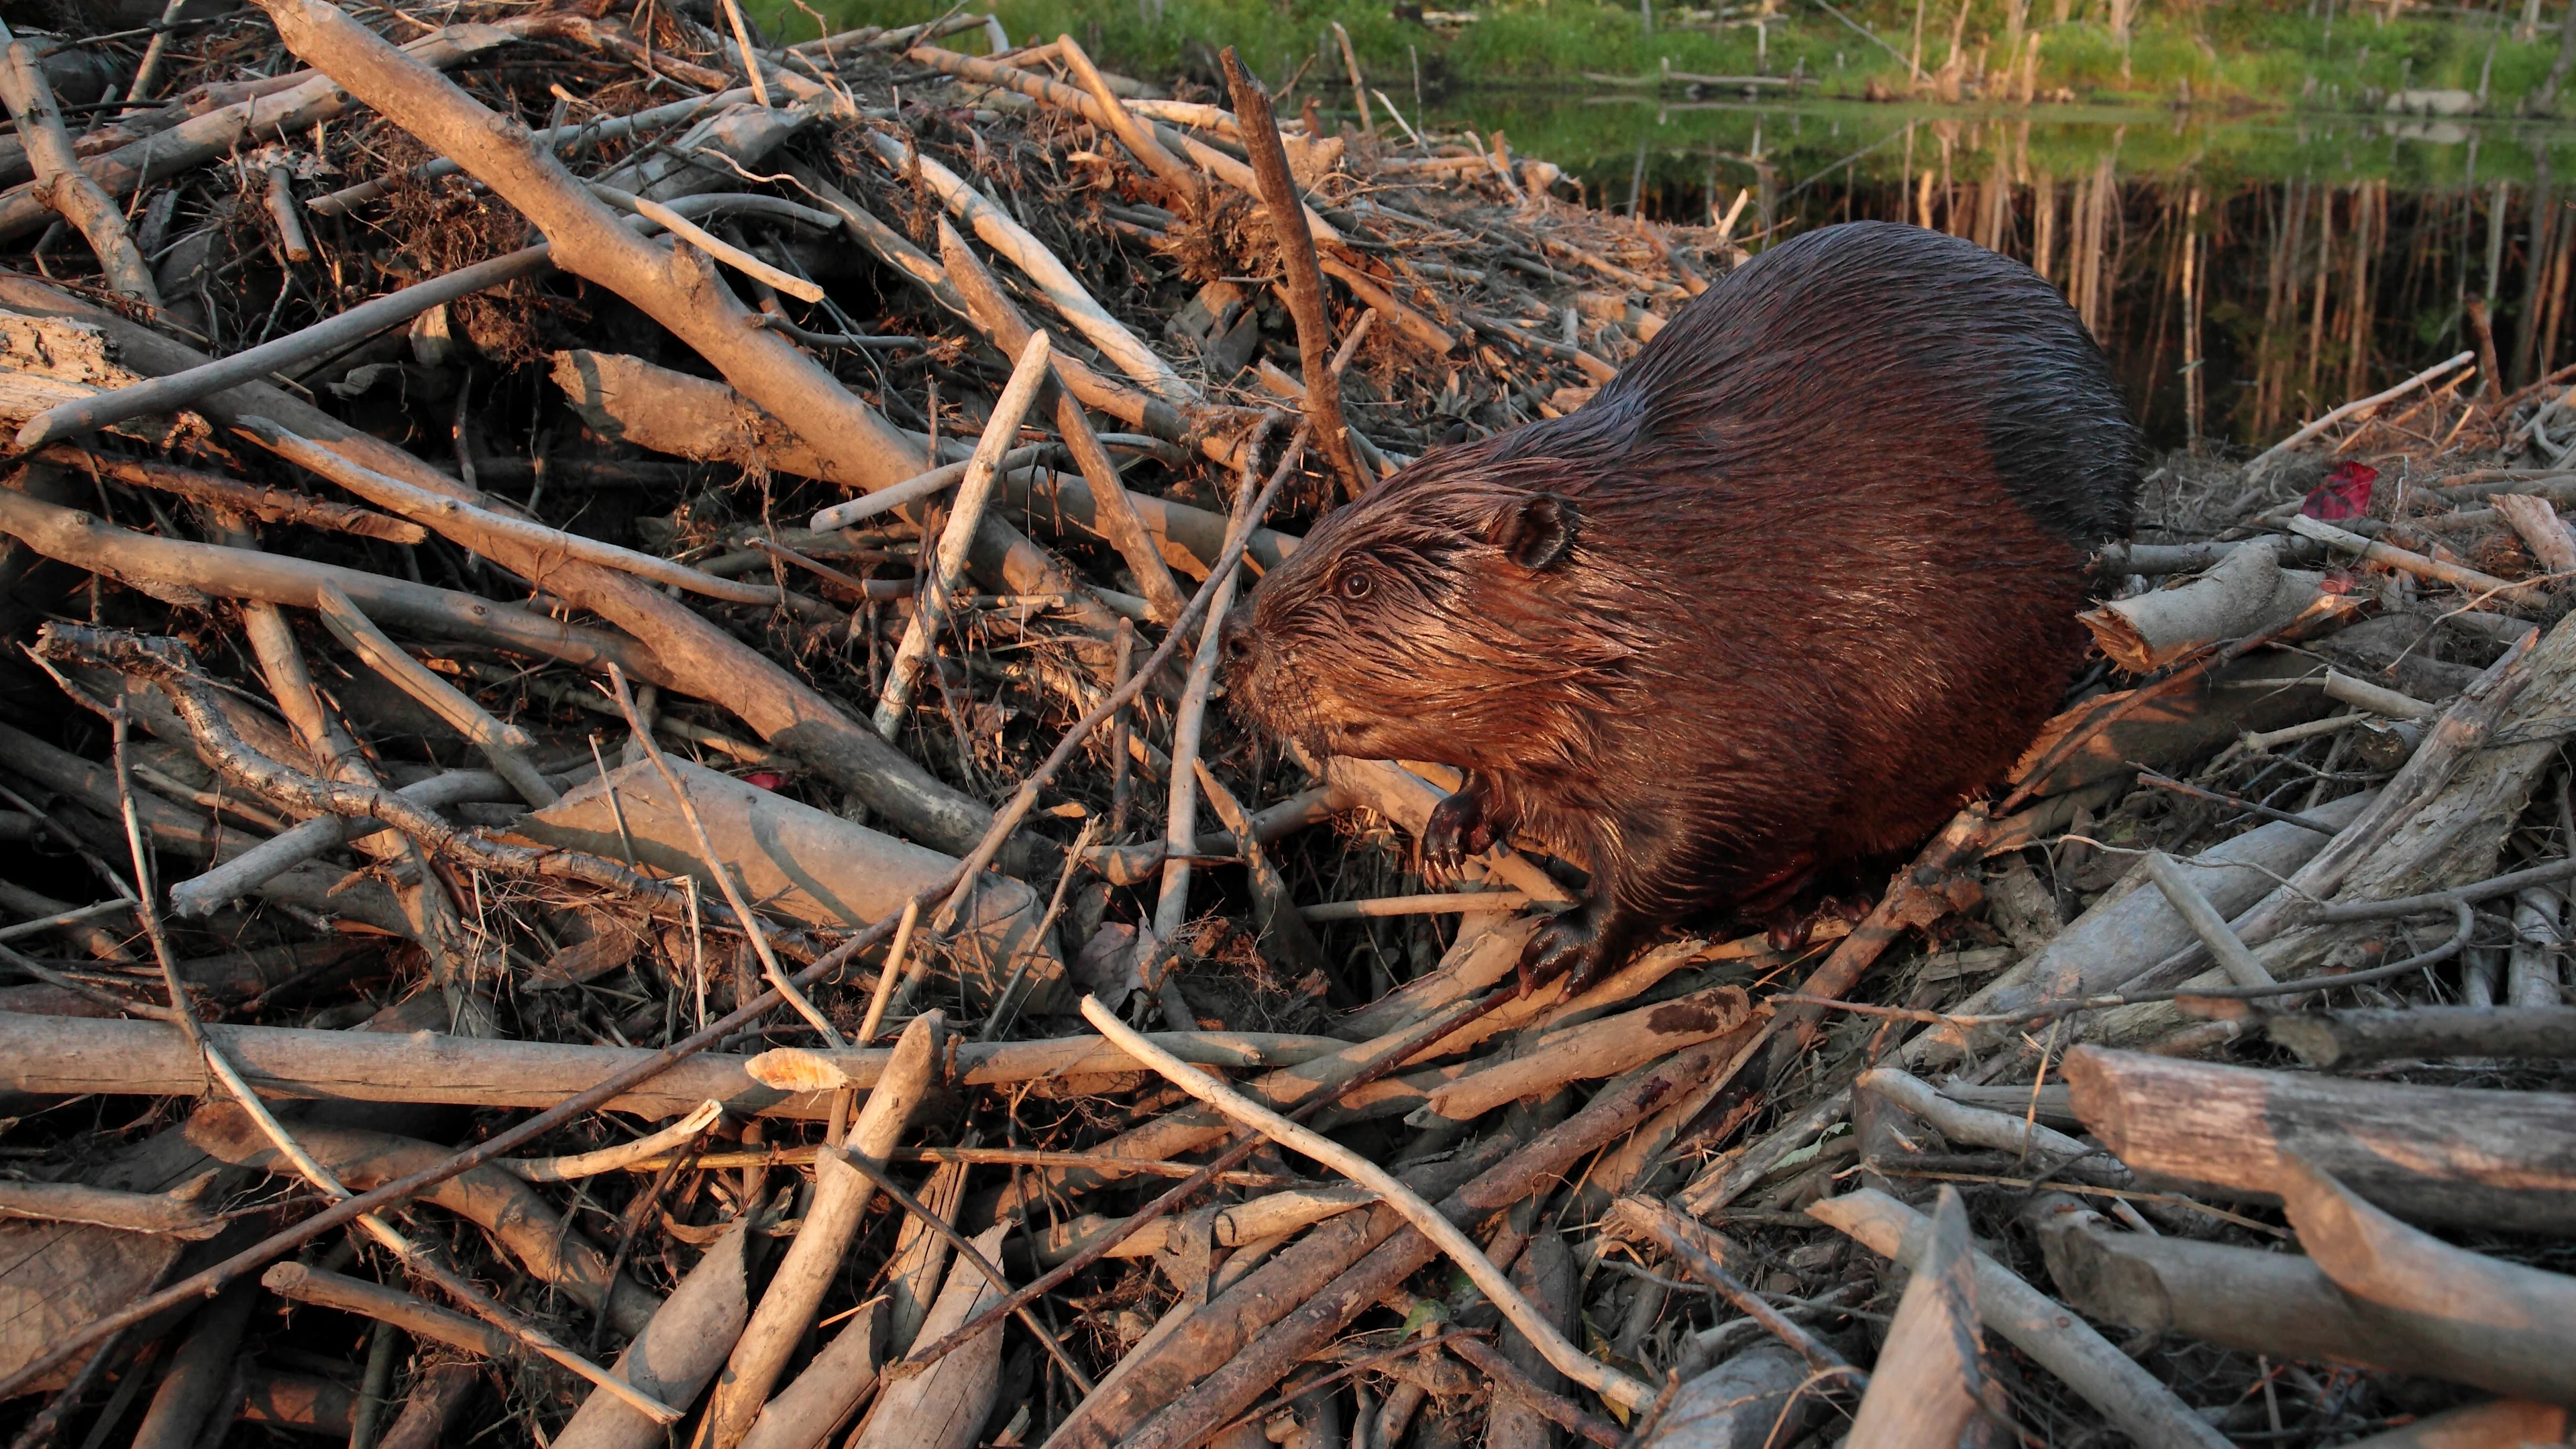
[2242, 273]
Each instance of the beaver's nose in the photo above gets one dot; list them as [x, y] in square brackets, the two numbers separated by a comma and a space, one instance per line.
[1235, 640]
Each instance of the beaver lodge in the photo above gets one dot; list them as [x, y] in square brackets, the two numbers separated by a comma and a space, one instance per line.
[616, 833]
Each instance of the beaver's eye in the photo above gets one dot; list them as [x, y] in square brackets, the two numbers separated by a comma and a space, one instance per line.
[1355, 584]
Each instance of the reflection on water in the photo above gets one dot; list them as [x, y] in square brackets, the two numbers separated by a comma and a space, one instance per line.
[2242, 275]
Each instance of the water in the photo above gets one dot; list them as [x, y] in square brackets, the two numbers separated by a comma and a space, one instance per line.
[2242, 274]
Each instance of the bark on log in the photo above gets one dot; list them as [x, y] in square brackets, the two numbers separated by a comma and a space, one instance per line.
[1752, 1401]
[437, 1396]
[2327, 1039]
[2118, 939]
[2452, 1155]
[2409, 1277]
[2281, 1303]
[803, 864]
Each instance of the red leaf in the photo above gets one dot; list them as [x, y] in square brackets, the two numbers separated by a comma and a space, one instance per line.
[765, 779]
[2344, 494]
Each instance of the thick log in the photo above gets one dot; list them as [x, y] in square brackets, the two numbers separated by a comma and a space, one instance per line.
[2458, 1156]
[2280, 1304]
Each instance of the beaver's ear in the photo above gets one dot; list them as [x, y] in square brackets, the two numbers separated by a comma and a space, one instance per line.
[1537, 532]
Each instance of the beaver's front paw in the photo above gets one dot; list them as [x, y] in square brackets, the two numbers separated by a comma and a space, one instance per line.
[1568, 944]
[1457, 829]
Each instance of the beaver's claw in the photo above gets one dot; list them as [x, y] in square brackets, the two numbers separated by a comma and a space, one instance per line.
[1457, 829]
[1568, 944]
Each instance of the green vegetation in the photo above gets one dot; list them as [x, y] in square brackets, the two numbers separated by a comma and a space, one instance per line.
[2244, 56]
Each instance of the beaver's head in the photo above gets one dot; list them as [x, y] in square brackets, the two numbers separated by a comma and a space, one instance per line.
[1464, 611]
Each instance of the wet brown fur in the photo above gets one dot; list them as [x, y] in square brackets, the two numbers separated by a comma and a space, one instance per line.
[1826, 547]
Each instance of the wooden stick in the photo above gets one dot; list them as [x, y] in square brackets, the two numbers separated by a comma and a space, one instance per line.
[476, 528]
[506, 746]
[619, 1158]
[2405, 560]
[2356, 408]
[1926, 1386]
[1447, 903]
[164, 662]
[269, 505]
[1108, 110]
[1305, 281]
[1113, 510]
[2205, 922]
[1621, 1390]
[256, 1111]
[841, 1197]
[930, 611]
[164, 566]
[70, 1056]
[706, 241]
[914, 489]
[674, 288]
[1248, 513]
[210, 1279]
[1055, 282]
[1358, 1271]
[2330, 1039]
[61, 183]
[326, 1289]
[2258, 1301]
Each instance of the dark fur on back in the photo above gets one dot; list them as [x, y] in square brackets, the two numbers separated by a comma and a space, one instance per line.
[1813, 580]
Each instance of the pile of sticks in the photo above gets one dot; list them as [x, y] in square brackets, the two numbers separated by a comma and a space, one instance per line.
[630, 702]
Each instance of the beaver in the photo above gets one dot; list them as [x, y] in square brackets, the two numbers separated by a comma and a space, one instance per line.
[1784, 593]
